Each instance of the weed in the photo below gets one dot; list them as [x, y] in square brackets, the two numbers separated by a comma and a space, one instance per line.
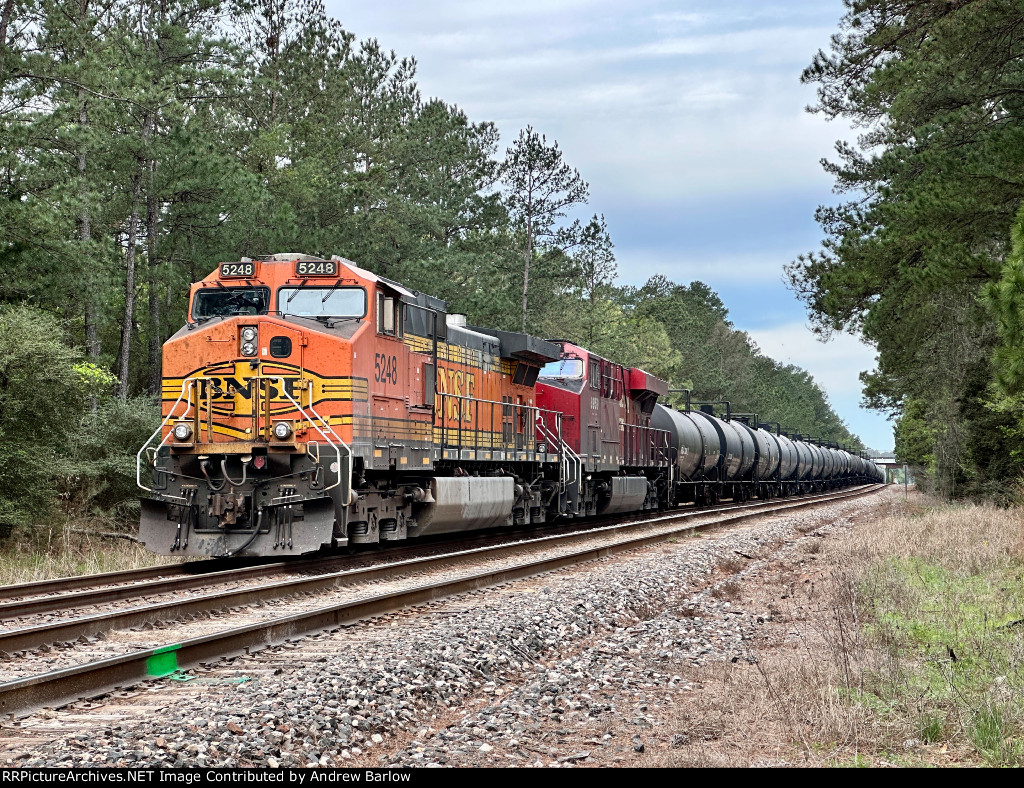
[728, 589]
[991, 734]
[813, 546]
[42, 553]
[930, 728]
[731, 564]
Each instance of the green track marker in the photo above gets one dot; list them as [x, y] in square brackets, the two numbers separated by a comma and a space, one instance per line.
[163, 662]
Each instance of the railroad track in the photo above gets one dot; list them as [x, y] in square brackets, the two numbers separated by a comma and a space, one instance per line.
[466, 570]
[68, 593]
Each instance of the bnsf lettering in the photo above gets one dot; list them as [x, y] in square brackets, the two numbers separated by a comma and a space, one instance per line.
[228, 388]
[385, 369]
[459, 384]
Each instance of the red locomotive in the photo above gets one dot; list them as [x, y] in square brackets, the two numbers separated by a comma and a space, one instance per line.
[311, 403]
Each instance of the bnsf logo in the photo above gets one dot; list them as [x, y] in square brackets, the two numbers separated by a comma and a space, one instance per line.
[229, 388]
[461, 384]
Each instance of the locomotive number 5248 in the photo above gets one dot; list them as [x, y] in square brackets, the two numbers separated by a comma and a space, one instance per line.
[385, 369]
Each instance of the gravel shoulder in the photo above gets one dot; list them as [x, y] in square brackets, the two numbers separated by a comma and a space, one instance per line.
[650, 658]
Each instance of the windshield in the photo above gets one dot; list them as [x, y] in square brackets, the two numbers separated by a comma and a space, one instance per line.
[326, 301]
[224, 302]
[566, 368]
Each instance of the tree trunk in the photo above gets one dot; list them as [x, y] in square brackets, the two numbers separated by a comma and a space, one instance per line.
[124, 354]
[92, 333]
[527, 257]
[152, 218]
[5, 21]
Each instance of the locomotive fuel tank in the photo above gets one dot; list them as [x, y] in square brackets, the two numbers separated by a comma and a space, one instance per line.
[623, 494]
[465, 503]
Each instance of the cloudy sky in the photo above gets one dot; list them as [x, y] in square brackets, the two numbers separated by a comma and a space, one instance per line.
[686, 117]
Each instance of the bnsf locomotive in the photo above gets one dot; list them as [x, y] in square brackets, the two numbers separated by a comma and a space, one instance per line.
[311, 403]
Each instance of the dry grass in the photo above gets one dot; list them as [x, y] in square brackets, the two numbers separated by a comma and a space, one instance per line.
[859, 668]
[44, 553]
[730, 590]
[730, 564]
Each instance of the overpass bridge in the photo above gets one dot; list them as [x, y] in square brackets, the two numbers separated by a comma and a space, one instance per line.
[895, 472]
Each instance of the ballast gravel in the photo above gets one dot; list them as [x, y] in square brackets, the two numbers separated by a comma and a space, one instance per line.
[532, 673]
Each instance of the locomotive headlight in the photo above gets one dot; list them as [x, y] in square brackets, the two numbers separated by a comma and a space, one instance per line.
[282, 430]
[248, 349]
[182, 431]
[249, 334]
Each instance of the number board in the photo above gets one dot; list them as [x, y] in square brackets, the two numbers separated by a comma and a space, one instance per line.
[316, 268]
[237, 269]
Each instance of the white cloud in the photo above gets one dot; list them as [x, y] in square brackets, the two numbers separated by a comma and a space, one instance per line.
[835, 366]
[650, 108]
[637, 266]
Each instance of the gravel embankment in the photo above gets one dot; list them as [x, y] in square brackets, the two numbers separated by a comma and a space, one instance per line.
[531, 673]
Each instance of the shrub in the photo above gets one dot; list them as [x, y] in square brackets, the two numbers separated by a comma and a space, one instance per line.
[42, 399]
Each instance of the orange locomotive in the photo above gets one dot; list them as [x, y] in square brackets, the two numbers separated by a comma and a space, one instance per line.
[309, 402]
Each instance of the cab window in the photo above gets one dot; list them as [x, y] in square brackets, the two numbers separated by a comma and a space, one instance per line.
[228, 301]
[569, 368]
[389, 316]
[322, 301]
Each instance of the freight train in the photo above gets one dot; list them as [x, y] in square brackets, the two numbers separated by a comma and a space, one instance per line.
[309, 403]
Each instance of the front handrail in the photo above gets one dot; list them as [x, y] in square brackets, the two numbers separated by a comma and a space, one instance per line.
[187, 383]
[322, 420]
[308, 413]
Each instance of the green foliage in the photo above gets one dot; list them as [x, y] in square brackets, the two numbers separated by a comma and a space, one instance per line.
[102, 476]
[42, 397]
[539, 189]
[93, 379]
[933, 187]
[949, 623]
[915, 438]
[53, 445]
[1005, 297]
[143, 142]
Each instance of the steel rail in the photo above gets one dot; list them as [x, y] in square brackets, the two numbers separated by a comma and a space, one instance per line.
[58, 584]
[99, 596]
[26, 638]
[69, 684]
[79, 592]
